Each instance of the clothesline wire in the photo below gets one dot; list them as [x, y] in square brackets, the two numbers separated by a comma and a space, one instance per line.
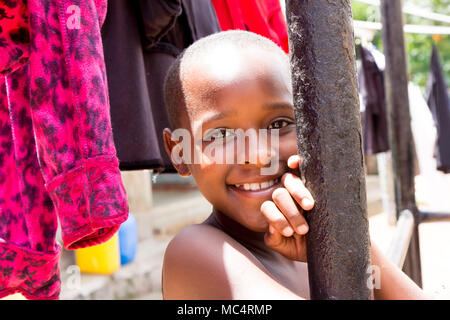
[408, 28]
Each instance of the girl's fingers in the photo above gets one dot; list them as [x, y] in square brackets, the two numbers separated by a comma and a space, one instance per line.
[297, 189]
[294, 161]
[275, 218]
[289, 209]
[273, 238]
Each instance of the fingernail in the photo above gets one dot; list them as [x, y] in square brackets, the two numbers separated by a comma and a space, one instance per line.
[288, 231]
[307, 202]
[303, 229]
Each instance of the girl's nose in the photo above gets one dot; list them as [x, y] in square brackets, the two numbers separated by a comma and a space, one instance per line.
[260, 155]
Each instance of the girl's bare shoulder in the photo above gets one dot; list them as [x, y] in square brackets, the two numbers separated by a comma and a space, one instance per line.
[203, 262]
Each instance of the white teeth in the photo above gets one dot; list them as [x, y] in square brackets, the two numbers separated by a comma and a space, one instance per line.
[257, 186]
[254, 186]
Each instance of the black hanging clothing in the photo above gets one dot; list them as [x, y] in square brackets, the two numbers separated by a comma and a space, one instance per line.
[141, 40]
[129, 26]
[374, 118]
[439, 103]
[197, 20]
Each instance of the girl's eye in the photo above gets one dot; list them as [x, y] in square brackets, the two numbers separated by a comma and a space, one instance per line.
[218, 134]
[279, 124]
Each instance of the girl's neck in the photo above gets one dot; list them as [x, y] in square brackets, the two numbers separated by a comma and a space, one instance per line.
[252, 240]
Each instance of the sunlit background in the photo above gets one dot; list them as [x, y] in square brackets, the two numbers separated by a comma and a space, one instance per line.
[418, 45]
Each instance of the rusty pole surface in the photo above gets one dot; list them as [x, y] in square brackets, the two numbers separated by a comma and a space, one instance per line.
[396, 84]
[329, 140]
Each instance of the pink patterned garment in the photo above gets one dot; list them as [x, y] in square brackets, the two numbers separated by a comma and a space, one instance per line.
[57, 156]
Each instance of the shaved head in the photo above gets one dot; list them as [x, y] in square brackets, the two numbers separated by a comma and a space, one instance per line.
[215, 61]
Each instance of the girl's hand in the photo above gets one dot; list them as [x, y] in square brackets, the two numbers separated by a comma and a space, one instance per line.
[287, 226]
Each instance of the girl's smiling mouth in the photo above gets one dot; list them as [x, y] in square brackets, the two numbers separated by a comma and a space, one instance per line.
[256, 186]
[260, 189]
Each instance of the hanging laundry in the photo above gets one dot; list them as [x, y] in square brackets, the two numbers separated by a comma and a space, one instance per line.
[139, 116]
[57, 157]
[29, 253]
[428, 190]
[197, 20]
[378, 56]
[263, 17]
[439, 103]
[134, 25]
[374, 118]
[432, 185]
[14, 35]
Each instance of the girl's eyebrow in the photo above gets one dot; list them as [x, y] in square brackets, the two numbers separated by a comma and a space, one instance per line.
[224, 114]
[218, 116]
[278, 105]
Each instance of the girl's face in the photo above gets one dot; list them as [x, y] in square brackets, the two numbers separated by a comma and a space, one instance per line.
[257, 97]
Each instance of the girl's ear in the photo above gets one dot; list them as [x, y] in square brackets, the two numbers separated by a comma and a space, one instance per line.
[169, 145]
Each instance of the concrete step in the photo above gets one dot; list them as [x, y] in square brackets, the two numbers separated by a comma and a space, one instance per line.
[172, 217]
[156, 295]
[138, 278]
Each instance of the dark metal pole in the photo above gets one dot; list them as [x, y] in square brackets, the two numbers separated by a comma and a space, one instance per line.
[396, 85]
[329, 140]
[433, 216]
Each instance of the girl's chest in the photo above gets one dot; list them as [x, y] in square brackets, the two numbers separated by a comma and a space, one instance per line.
[291, 274]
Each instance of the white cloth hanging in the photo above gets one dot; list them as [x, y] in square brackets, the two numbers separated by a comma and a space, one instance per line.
[380, 59]
[432, 186]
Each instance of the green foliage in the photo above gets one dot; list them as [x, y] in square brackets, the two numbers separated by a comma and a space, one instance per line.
[418, 46]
